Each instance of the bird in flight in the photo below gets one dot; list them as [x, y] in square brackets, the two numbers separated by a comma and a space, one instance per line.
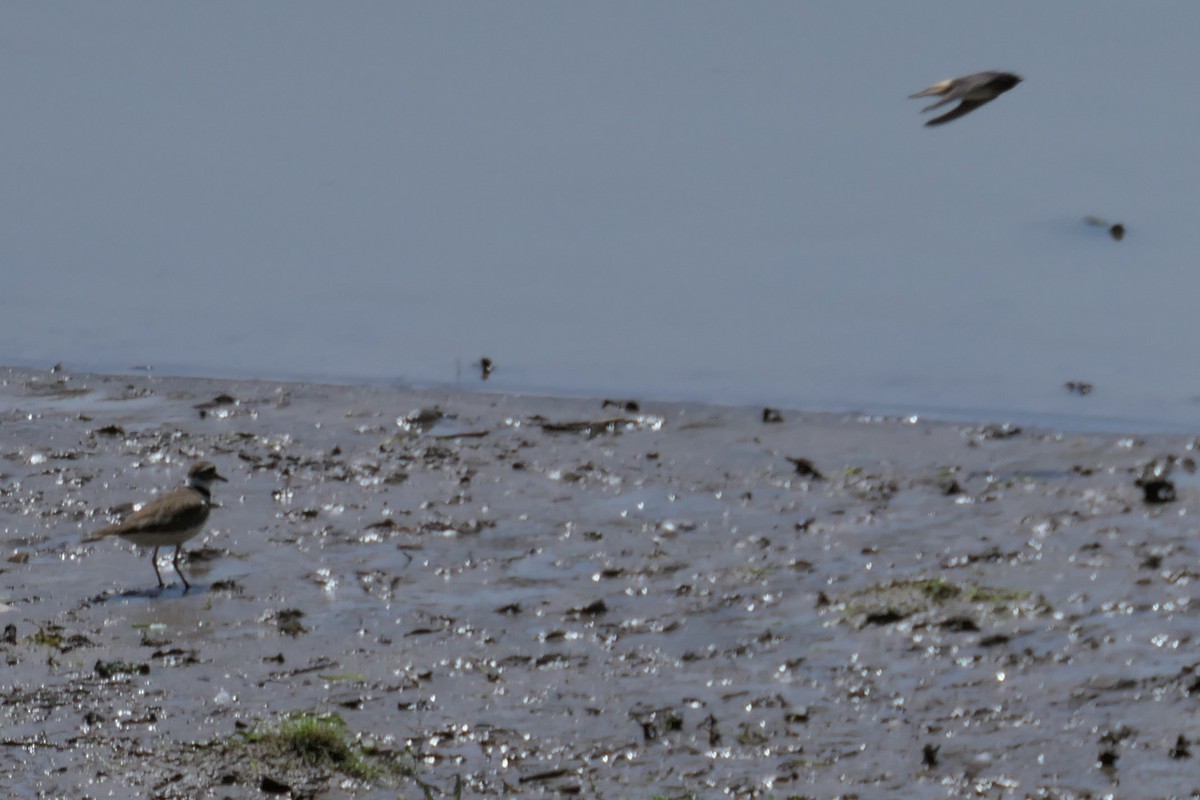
[973, 90]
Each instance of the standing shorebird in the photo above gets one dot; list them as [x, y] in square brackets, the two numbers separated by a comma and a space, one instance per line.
[171, 519]
[973, 90]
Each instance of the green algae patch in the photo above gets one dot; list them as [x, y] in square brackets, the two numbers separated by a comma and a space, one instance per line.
[319, 743]
[928, 600]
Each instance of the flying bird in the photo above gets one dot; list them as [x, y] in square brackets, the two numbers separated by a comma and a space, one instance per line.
[973, 90]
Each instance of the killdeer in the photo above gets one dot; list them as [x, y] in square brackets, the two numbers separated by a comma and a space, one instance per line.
[170, 519]
[973, 90]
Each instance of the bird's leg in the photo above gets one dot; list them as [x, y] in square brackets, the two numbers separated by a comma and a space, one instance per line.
[175, 563]
[154, 563]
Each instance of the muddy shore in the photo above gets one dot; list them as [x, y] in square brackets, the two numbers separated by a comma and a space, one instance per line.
[543, 598]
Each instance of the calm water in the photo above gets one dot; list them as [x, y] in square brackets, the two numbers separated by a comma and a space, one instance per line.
[713, 201]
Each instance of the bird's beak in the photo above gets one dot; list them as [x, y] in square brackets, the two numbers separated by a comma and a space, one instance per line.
[219, 477]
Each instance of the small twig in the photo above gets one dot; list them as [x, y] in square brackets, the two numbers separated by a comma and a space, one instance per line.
[463, 435]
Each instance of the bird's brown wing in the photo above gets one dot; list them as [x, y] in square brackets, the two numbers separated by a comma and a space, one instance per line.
[965, 107]
[183, 507]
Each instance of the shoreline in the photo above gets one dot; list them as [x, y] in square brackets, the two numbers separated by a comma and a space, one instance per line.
[550, 596]
[1067, 423]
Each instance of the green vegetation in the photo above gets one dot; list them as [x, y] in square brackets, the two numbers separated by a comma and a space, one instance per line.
[323, 741]
[939, 590]
[46, 638]
[897, 600]
[351, 677]
[320, 741]
[998, 598]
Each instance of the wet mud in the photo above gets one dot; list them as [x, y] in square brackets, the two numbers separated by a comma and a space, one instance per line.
[505, 596]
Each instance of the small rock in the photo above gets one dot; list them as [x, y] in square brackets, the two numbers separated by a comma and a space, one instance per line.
[1152, 561]
[592, 609]
[884, 617]
[272, 786]
[805, 468]
[107, 669]
[1158, 490]
[950, 487]
[959, 624]
[1002, 431]
[216, 402]
[288, 622]
[1182, 748]
[110, 430]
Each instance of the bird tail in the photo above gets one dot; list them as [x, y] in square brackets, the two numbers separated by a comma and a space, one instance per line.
[102, 533]
[941, 87]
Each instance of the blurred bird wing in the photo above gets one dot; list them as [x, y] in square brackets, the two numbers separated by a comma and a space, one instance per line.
[950, 98]
[963, 108]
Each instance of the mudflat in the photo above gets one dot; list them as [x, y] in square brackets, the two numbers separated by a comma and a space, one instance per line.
[477, 595]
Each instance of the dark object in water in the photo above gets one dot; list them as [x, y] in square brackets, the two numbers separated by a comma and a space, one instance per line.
[805, 468]
[994, 431]
[1080, 388]
[486, 367]
[630, 406]
[772, 415]
[1157, 490]
[1182, 748]
[218, 401]
[1116, 230]
[1153, 477]
[949, 486]
[269, 785]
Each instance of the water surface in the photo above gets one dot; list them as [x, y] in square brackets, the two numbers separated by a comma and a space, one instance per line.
[698, 200]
